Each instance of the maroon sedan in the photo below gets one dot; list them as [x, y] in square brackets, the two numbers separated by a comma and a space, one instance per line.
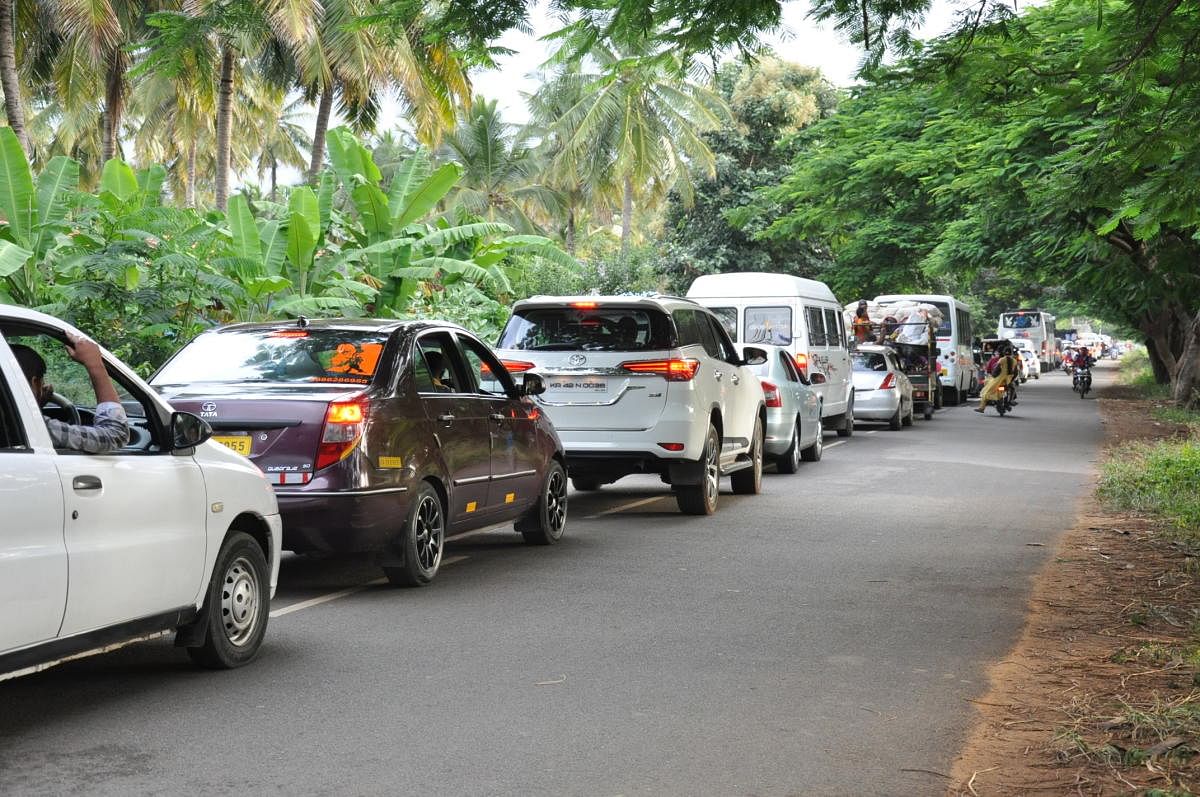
[385, 436]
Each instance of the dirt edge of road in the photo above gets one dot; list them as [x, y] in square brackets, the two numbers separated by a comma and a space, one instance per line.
[1099, 694]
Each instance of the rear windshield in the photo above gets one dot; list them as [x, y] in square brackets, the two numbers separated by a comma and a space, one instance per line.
[869, 361]
[588, 329]
[286, 355]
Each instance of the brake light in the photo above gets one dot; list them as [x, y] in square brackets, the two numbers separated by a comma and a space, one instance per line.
[517, 366]
[889, 382]
[288, 333]
[771, 394]
[802, 362]
[672, 446]
[585, 305]
[344, 421]
[670, 370]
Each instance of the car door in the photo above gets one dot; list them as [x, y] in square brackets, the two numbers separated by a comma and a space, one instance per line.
[33, 552]
[462, 428]
[741, 389]
[517, 459]
[135, 525]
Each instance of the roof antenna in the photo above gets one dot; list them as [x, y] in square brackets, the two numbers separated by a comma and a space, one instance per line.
[301, 322]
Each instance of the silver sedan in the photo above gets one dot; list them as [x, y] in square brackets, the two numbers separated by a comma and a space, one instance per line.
[794, 431]
[881, 390]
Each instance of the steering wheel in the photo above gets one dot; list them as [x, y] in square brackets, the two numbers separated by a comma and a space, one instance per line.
[66, 404]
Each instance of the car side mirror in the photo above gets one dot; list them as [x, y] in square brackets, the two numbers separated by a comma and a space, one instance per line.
[817, 378]
[532, 385]
[752, 355]
[188, 430]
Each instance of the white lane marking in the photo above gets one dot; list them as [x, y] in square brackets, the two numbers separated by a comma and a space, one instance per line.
[835, 445]
[623, 507]
[342, 593]
[873, 431]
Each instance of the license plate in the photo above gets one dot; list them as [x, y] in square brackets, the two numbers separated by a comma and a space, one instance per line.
[239, 443]
[579, 385]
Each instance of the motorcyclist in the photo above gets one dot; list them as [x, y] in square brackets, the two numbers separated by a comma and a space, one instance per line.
[1003, 369]
[1083, 358]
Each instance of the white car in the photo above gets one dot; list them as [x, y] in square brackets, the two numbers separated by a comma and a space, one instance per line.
[794, 426]
[644, 385]
[1031, 364]
[884, 391]
[171, 533]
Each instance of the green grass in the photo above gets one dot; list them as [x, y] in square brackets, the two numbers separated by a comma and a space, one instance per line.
[1136, 373]
[1160, 479]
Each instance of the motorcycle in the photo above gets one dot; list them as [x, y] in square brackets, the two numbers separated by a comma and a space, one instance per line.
[1082, 381]
[1004, 403]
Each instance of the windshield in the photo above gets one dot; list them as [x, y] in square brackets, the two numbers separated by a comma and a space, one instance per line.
[588, 329]
[331, 356]
[869, 361]
[1020, 321]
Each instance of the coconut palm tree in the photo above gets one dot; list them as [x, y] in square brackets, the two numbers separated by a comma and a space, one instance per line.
[10, 82]
[640, 114]
[499, 166]
[284, 140]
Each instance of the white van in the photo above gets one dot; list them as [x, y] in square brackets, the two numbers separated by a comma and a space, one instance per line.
[956, 359]
[801, 315]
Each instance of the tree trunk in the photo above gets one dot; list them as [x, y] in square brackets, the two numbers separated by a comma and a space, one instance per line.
[1185, 386]
[626, 216]
[13, 108]
[570, 236]
[189, 188]
[224, 121]
[1161, 375]
[114, 103]
[274, 176]
[324, 109]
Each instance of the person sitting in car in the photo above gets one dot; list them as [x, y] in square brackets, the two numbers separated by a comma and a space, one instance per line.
[109, 429]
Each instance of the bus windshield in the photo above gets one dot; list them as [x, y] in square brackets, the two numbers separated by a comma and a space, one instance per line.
[1021, 320]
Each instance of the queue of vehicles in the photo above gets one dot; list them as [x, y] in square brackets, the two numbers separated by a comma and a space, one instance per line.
[390, 437]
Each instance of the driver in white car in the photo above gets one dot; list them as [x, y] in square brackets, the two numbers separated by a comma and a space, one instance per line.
[109, 430]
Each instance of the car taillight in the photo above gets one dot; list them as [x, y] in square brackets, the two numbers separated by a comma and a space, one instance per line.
[771, 394]
[802, 362]
[517, 366]
[670, 370]
[343, 429]
[889, 382]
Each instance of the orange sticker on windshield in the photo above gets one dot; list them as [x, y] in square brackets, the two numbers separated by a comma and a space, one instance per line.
[355, 359]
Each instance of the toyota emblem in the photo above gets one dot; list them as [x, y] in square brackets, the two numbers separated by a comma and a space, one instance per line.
[208, 406]
[576, 360]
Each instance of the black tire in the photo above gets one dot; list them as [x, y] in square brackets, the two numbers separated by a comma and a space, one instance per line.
[421, 541]
[701, 499]
[939, 397]
[907, 420]
[790, 461]
[895, 422]
[846, 428]
[749, 481]
[951, 397]
[237, 606]
[585, 484]
[928, 411]
[546, 520]
[813, 452]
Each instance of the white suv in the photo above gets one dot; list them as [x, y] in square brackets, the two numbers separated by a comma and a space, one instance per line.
[644, 385]
[173, 532]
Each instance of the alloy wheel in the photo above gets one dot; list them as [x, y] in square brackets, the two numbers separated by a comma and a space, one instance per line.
[429, 533]
[556, 502]
[712, 471]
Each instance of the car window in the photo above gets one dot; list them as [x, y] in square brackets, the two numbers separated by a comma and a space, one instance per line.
[725, 348]
[491, 378]
[770, 325]
[728, 318]
[833, 336]
[869, 361]
[12, 431]
[72, 387]
[686, 330]
[585, 326]
[816, 326]
[291, 354]
[789, 368]
[436, 365]
[708, 335]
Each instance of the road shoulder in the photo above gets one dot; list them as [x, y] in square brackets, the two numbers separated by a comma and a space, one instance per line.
[1099, 694]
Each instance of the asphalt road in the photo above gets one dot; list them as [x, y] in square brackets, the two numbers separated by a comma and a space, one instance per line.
[825, 637]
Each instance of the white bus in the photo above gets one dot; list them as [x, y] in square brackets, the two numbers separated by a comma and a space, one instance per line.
[956, 360]
[1036, 327]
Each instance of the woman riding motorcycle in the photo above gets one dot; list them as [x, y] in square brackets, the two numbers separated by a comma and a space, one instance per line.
[1003, 370]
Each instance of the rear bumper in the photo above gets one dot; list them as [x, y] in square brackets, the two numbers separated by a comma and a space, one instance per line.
[876, 404]
[780, 429]
[342, 521]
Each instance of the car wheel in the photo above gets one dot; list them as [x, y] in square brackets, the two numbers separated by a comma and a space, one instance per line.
[749, 481]
[586, 485]
[546, 521]
[894, 422]
[907, 420]
[813, 452]
[790, 461]
[421, 542]
[236, 607]
[701, 499]
[847, 427]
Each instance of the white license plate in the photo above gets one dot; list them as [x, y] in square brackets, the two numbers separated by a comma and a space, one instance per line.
[562, 385]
